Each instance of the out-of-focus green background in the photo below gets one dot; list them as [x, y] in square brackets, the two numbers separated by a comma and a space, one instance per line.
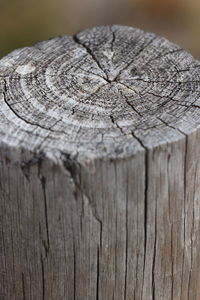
[24, 22]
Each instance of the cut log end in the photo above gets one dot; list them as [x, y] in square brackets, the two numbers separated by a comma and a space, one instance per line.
[107, 91]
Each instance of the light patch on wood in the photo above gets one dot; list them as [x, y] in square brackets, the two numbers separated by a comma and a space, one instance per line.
[25, 69]
[109, 54]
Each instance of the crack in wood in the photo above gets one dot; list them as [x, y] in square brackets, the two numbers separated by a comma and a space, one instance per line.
[113, 39]
[74, 169]
[43, 278]
[91, 54]
[23, 287]
[184, 214]
[98, 274]
[47, 244]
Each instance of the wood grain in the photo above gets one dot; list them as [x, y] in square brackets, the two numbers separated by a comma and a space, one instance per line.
[99, 169]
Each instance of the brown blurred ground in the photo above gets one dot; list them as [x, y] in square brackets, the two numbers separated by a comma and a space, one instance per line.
[24, 22]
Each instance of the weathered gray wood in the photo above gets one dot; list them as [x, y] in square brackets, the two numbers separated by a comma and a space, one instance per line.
[100, 169]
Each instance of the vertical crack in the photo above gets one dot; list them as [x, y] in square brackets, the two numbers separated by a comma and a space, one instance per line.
[115, 258]
[37, 158]
[73, 169]
[145, 209]
[98, 275]
[100, 234]
[145, 202]
[43, 183]
[184, 221]
[43, 278]
[171, 225]
[74, 256]
[23, 287]
[154, 254]
[193, 228]
[172, 288]
[127, 235]
[91, 54]
[113, 39]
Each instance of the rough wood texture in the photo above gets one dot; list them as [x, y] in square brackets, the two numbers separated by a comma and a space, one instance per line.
[100, 169]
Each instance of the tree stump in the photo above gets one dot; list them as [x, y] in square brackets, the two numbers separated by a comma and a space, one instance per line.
[100, 169]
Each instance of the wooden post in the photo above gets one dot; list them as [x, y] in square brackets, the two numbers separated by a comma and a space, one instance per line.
[100, 169]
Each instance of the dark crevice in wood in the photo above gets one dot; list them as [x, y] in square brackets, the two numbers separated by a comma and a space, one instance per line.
[146, 160]
[129, 104]
[168, 189]
[100, 235]
[36, 159]
[117, 125]
[193, 226]
[171, 126]
[91, 54]
[145, 213]
[98, 274]
[43, 183]
[136, 270]
[73, 168]
[172, 261]
[43, 241]
[154, 254]
[124, 133]
[184, 215]
[139, 140]
[94, 213]
[113, 39]
[127, 237]
[73, 110]
[74, 270]
[43, 278]
[132, 106]
[116, 228]
[23, 287]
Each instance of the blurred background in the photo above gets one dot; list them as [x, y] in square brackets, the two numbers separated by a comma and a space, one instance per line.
[25, 22]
